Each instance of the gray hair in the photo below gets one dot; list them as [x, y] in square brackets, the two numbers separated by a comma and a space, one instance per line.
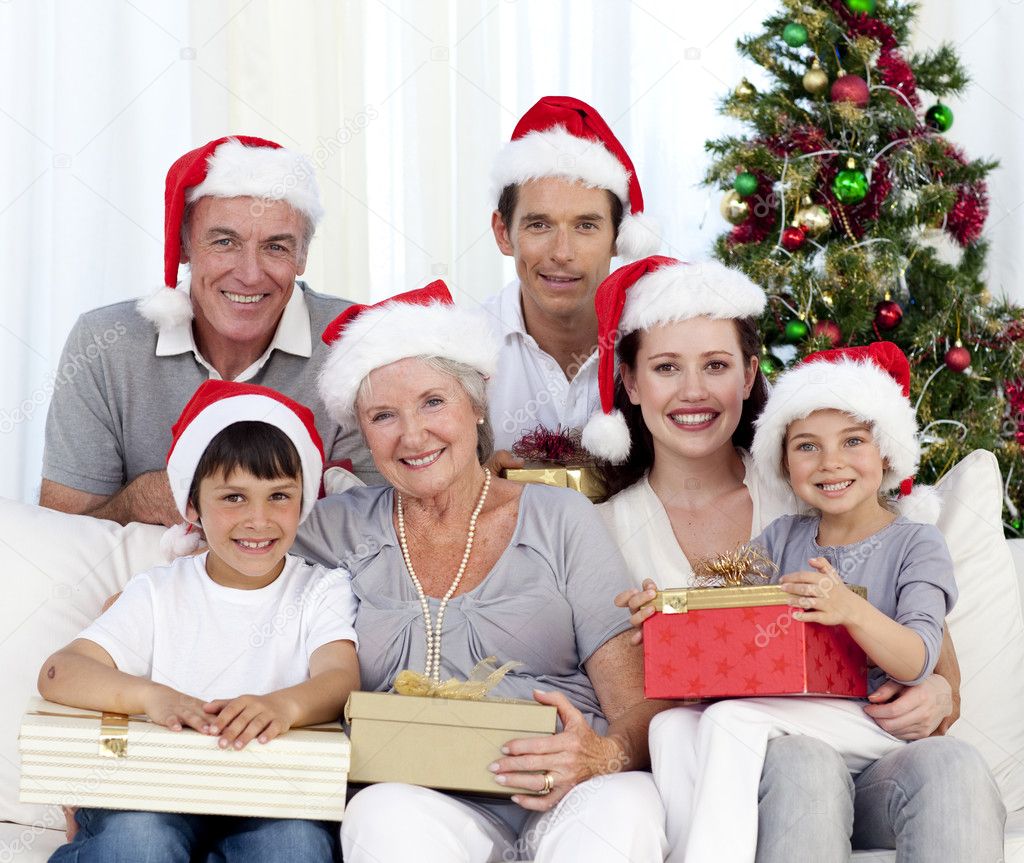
[473, 383]
[308, 229]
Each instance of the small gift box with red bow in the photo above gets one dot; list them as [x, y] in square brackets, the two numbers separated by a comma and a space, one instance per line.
[740, 640]
[556, 458]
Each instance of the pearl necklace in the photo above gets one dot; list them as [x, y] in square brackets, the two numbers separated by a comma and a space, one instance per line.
[433, 669]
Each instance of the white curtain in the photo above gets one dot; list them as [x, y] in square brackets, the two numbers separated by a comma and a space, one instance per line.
[402, 105]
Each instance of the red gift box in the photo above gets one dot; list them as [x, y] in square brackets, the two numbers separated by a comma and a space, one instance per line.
[725, 642]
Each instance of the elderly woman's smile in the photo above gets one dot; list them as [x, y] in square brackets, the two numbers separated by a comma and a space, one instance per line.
[420, 426]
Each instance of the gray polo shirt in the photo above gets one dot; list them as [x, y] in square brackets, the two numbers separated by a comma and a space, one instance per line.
[115, 399]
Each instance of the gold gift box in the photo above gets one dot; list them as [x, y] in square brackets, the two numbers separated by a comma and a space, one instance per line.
[84, 758]
[585, 480]
[440, 743]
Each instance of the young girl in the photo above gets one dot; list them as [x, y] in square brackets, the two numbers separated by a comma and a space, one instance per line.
[840, 430]
[185, 643]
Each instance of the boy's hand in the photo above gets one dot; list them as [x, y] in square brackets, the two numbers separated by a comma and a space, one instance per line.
[175, 710]
[822, 594]
[249, 717]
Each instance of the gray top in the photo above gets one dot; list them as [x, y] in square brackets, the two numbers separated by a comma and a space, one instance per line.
[905, 567]
[546, 603]
[115, 400]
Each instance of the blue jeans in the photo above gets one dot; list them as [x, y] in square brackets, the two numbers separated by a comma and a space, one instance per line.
[114, 836]
[933, 799]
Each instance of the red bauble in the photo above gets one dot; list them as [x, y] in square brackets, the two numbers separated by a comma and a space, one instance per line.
[793, 238]
[830, 330]
[851, 88]
[957, 359]
[888, 315]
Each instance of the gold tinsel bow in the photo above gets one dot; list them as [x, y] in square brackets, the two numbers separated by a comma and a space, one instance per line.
[482, 679]
[747, 564]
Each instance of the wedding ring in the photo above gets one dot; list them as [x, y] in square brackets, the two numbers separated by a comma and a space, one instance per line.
[549, 783]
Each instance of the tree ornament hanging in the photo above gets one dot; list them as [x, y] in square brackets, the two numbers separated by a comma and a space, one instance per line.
[815, 79]
[828, 330]
[888, 314]
[793, 238]
[864, 7]
[850, 185]
[939, 117]
[814, 219]
[745, 184]
[796, 330]
[958, 358]
[769, 362]
[733, 208]
[745, 90]
[794, 34]
[850, 88]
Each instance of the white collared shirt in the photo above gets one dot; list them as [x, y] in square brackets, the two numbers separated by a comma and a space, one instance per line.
[529, 387]
[292, 336]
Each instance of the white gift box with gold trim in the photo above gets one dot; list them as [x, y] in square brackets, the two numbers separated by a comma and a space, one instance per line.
[84, 758]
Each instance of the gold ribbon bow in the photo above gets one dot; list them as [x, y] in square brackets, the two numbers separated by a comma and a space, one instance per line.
[482, 679]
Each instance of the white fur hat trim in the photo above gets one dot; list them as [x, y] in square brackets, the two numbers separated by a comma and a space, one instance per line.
[385, 334]
[682, 291]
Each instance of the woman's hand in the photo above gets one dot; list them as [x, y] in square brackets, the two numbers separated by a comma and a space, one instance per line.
[636, 601]
[573, 755]
[911, 712]
[175, 710]
[248, 717]
[822, 595]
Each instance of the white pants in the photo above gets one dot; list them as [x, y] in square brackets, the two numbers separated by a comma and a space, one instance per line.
[707, 762]
[616, 818]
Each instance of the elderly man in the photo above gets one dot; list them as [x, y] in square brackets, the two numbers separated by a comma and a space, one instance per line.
[568, 201]
[241, 213]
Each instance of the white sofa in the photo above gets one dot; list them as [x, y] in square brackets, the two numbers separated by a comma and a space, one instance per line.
[58, 569]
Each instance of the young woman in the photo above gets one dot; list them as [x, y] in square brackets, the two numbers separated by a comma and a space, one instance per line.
[676, 423]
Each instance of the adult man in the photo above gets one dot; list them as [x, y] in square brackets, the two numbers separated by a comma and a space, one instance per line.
[241, 212]
[568, 201]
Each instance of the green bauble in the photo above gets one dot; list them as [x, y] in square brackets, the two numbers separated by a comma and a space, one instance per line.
[1017, 524]
[865, 6]
[794, 35]
[770, 364]
[939, 117]
[745, 184]
[796, 330]
[850, 186]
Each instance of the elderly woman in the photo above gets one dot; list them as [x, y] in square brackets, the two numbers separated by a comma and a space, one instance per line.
[452, 565]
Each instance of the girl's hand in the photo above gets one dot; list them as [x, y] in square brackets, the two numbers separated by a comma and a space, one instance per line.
[822, 595]
[635, 601]
[574, 755]
[249, 717]
[175, 710]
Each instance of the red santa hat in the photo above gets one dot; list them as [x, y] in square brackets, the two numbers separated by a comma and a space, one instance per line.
[649, 292]
[870, 383]
[214, 406]
[239, 166]
[564, 137]
[420, 323]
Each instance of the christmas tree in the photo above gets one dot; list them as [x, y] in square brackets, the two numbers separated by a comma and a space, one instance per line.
[863, 222]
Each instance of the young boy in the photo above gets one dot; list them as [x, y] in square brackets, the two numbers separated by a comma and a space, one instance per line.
[242, 642]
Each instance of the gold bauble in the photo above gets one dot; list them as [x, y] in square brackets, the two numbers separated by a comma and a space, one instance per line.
[984, 297]
[744, 90]
[814, 218]
[733, 208]
[815, 79]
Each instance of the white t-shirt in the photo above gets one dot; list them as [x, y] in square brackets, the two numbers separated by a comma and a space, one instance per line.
[176, 626]
[529, 388]
[638, 522]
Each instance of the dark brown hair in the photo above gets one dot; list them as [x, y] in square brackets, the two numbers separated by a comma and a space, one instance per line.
[510, 197]
[641, 454]
[255, 447]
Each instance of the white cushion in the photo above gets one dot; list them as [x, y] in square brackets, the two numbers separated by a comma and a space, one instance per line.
[57, 570]
[987, 624]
